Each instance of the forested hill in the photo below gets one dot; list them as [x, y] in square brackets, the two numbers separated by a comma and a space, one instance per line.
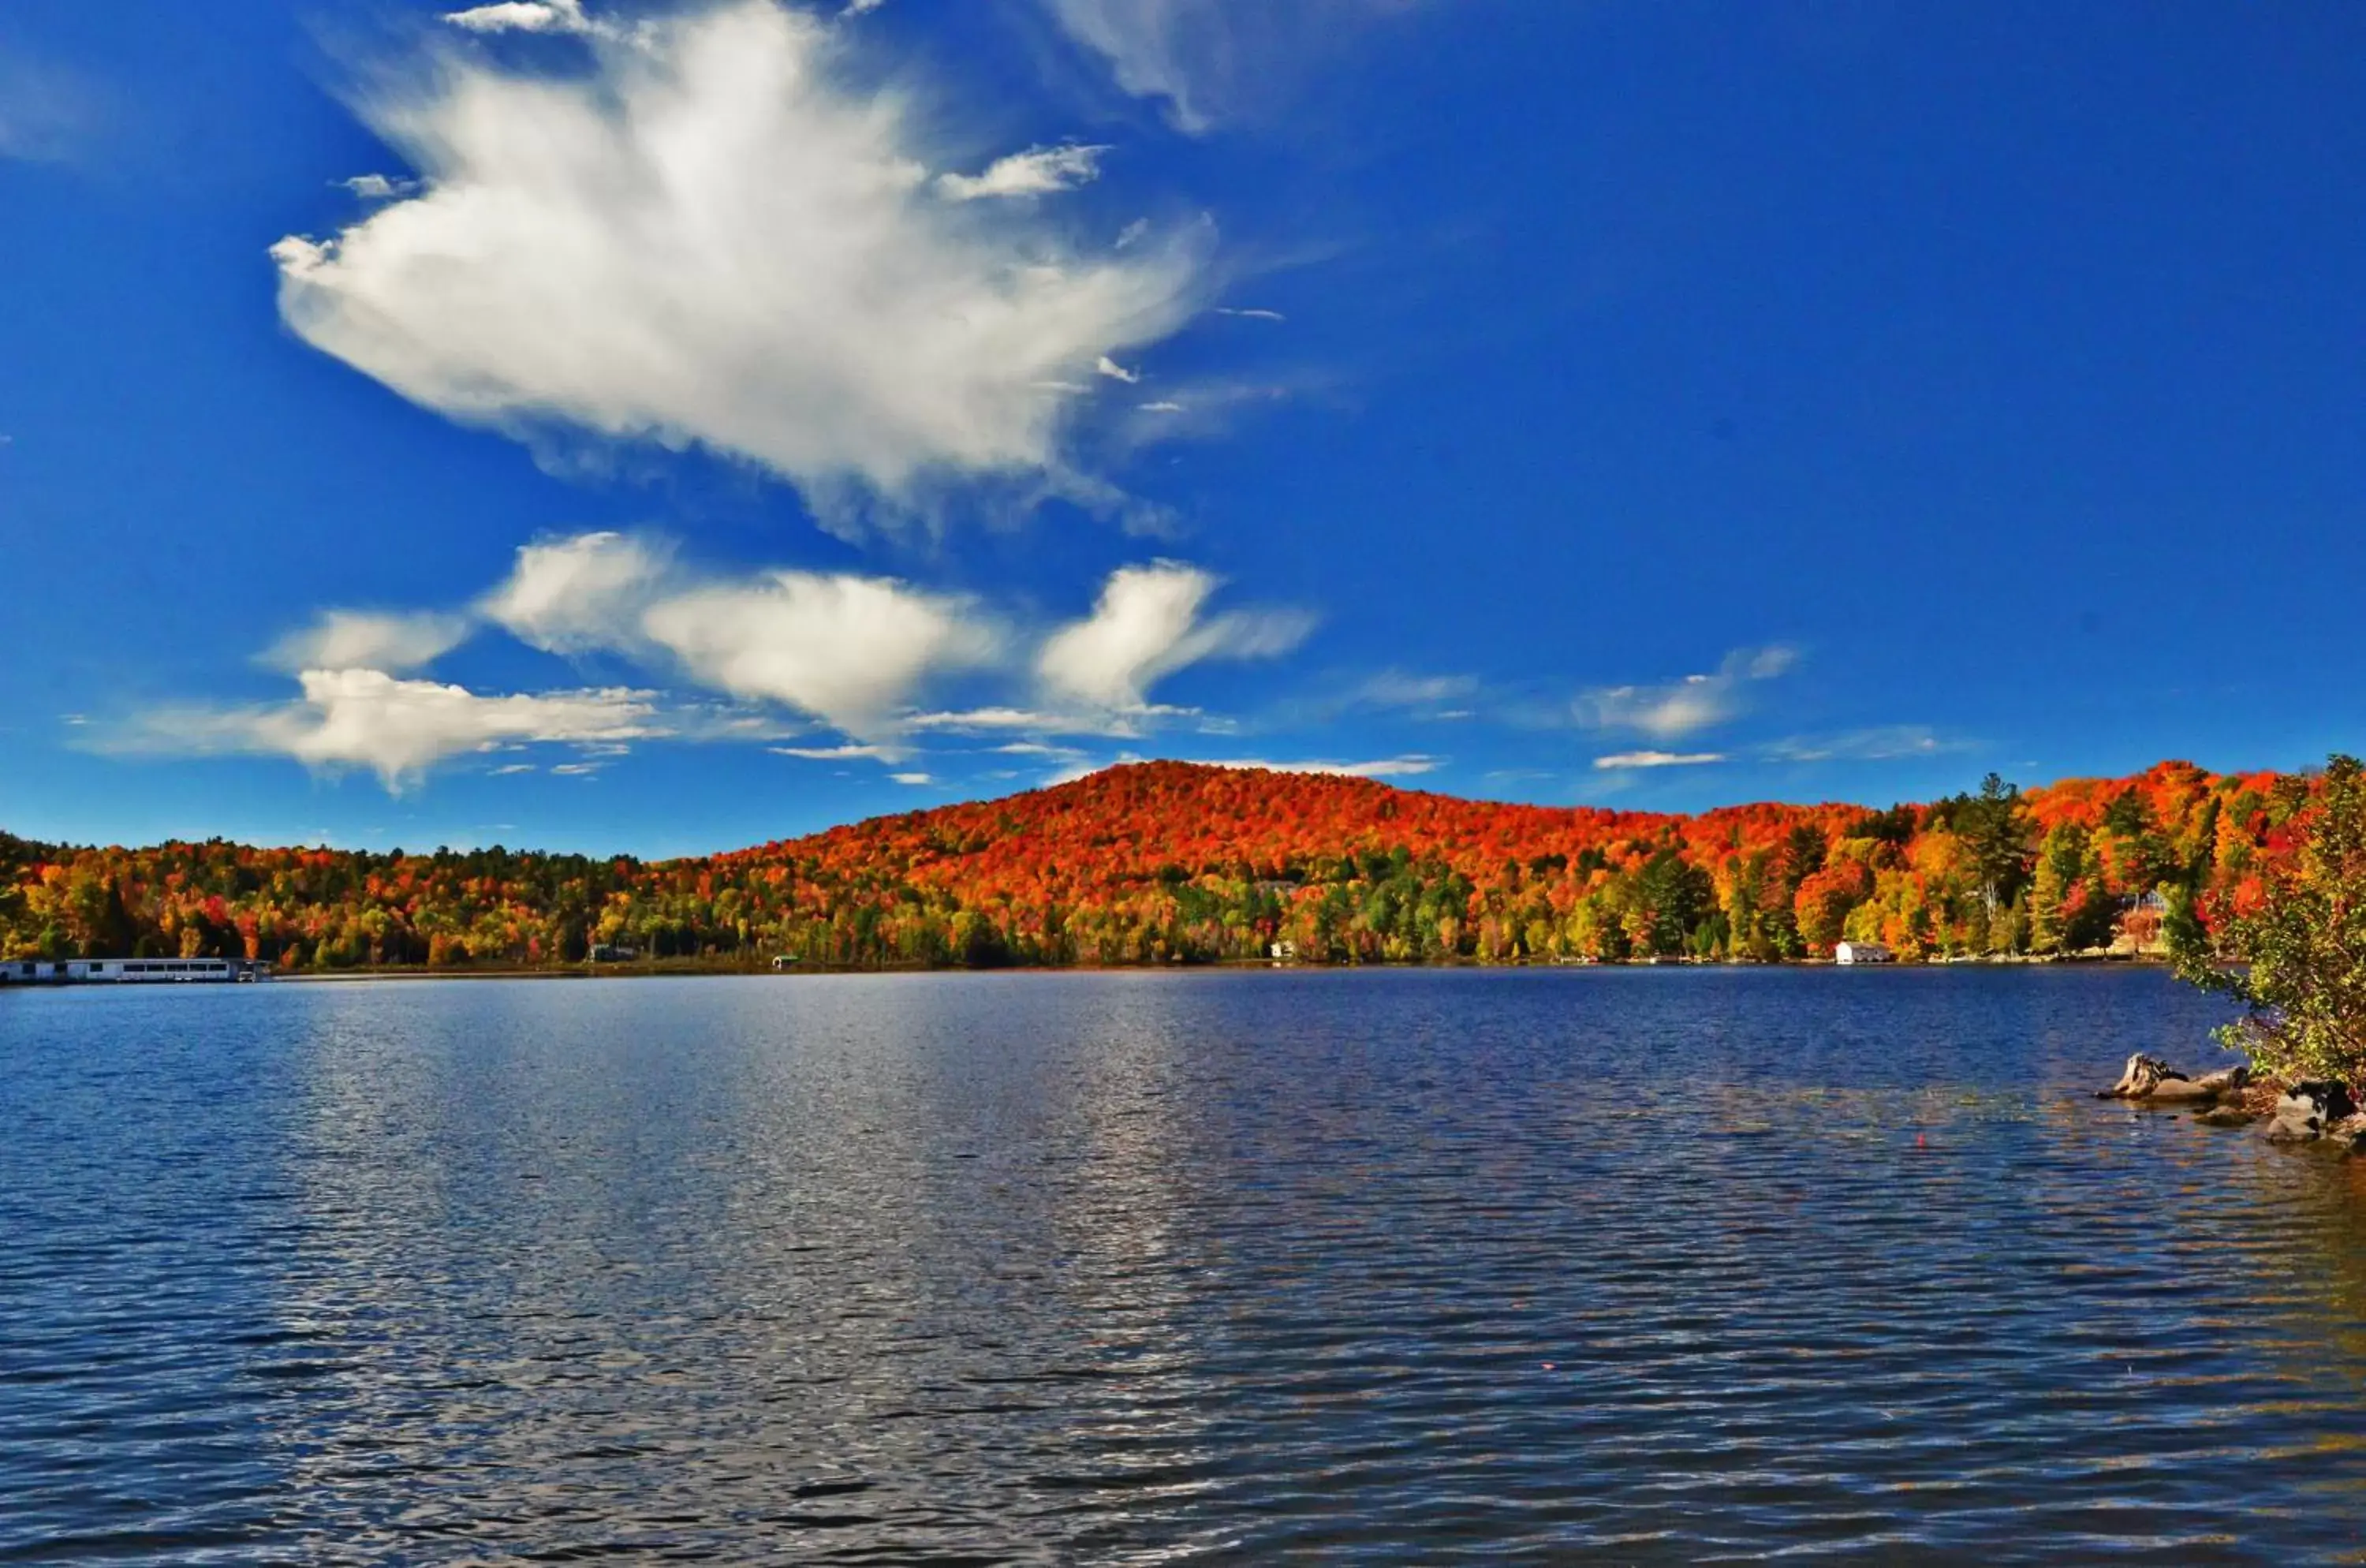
[1162, 862]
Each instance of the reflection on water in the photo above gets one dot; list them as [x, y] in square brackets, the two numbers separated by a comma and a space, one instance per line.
[1653, 1265]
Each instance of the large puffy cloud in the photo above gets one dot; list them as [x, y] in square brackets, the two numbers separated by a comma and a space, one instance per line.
[710, 238]
[350, 639]
[578, 594]
[396, 727]
[1147, 624]
[848, 649]
[853, 652]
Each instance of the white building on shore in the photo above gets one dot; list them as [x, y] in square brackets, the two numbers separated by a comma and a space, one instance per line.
[1862, 952]
[130, 971]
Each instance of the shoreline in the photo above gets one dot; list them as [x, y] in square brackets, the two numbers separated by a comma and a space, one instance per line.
[696, 970]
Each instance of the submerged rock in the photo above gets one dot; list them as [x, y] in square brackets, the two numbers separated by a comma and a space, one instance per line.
[2227, 1116]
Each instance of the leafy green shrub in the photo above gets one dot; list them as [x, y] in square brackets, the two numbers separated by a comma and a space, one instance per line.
[2296, 933]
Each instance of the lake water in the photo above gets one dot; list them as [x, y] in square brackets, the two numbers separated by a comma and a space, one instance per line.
[1620, 1266]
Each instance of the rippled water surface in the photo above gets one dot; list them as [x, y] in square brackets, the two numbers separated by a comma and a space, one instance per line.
[1638, 1265]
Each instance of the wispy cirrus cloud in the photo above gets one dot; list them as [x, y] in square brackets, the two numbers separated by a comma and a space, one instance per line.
[1675, 709]
[48, 112]
[1882, 743]
[1078, 766]
[1039, 171]
[1379, 768]
[1659, 760]
[1206, 61]
[712, 237]
[1427, 696]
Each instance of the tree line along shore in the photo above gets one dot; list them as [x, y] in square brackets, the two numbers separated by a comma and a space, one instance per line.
[1165, 863]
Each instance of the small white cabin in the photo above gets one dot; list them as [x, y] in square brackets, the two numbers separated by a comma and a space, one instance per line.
[1862, 952]
[1284, 952]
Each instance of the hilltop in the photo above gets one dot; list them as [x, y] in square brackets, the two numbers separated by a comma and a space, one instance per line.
[1160, 862]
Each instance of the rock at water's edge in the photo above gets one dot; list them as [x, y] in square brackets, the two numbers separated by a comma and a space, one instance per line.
[2141, 1078]
[2150, 1078]
[2307, 1111]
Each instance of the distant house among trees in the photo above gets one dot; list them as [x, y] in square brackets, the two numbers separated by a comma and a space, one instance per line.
[1861, 952]
[2142, 926]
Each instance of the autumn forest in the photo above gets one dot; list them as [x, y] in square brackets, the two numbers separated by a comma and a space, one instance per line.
[1169, 861]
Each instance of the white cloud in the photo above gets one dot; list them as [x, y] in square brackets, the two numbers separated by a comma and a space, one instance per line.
[1679, 708]
[574, 595]
[358, 639]
[1146, 625]
[976, 720]
[46, 111]
[1207, 61]
[1395, 689]
[912, 778]
[1384, 768]
[847, 753]
[1162, 406]
[396, 727]
[854, 650]
[377, 188]
[524, 17]
[848, 649]
[1116, 372]
[710, 238]
[1039, 171]
[1107, 724]
[1252, 315]
[1659, 758]
[1883, 744]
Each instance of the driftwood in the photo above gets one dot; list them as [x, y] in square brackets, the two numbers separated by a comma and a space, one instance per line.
[2150, 1078]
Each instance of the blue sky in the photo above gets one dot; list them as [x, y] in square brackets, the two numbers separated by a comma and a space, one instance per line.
[664, 428]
